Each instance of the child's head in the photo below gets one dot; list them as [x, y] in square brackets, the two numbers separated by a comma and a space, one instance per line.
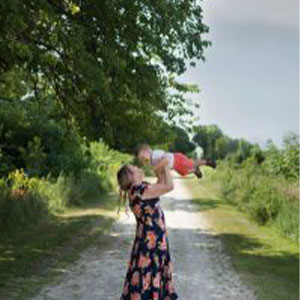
[143, 153]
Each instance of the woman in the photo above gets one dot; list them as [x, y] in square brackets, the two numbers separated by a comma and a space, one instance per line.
[149, 273]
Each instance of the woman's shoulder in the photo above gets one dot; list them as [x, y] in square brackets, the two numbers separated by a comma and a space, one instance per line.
[137, 189]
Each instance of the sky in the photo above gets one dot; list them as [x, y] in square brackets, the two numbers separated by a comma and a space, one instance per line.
[250, 80]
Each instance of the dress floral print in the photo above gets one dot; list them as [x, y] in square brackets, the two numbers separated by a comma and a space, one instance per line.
[149, 272]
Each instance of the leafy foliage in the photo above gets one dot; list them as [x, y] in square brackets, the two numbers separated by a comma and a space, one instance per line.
[109, 66]
[284, 161]
[33, 138]
[268, 190]
[27, 199]
[181, 142]
[217, 145]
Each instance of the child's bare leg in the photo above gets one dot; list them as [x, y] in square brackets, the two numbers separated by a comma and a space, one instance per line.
[201, 162]
[196, 164]
[204, 162]
[196, 168]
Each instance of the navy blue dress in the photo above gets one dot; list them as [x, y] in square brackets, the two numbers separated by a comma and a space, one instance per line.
[149, 272]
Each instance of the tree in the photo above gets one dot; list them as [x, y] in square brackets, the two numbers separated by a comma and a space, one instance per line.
[38, 142]
[206, 137]
[108, 65]
[182, 141]
[217, 145]
[243, 151]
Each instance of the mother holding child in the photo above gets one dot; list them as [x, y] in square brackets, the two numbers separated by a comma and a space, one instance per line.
[149, 271]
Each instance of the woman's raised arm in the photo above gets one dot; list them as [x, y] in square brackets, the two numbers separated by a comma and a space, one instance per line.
[163, 185]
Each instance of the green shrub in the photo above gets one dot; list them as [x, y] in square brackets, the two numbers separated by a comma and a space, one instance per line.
[56, 192]
[268, 199]
[287, 221]
[265, 201]
[32, 139]
[105, 162]
[20, 203]
[25, 199]
[283, 162]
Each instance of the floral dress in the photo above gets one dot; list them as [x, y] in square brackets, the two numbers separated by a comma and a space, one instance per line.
[149, 273]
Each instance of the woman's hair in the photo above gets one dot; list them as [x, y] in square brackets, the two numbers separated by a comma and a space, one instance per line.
[125, 182]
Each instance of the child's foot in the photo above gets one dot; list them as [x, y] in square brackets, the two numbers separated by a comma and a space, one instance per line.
[211, 163]
[198, 173]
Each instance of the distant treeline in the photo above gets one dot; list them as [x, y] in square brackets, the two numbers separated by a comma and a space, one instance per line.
[282, 161]
[217, 145]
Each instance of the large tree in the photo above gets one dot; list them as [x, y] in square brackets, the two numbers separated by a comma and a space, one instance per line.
[108, 65]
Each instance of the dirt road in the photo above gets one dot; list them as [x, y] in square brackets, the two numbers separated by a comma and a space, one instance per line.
[202, 271]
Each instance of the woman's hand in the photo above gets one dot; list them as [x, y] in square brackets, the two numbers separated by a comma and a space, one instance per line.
[159, 168]
[163, 185]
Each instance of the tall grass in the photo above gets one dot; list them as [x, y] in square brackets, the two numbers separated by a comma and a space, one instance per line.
[269, 199]
[25, 200]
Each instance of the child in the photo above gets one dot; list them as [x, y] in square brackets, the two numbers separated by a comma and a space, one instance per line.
[177, 161]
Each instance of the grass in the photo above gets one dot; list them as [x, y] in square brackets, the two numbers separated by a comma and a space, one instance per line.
[31, 257]
[265, 260]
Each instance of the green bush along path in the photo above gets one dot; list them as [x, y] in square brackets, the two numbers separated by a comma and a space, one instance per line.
[266, 259]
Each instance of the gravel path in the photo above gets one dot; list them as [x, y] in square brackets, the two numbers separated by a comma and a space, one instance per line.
[202, 271]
